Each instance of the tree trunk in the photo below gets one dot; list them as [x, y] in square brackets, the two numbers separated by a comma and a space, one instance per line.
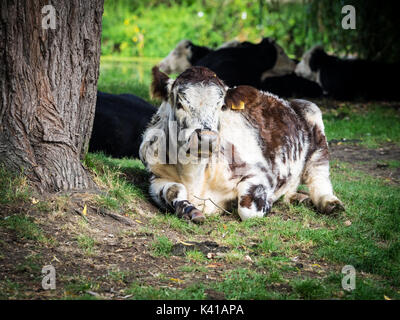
[48, 83]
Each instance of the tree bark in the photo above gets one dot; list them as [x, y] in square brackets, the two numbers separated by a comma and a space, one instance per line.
[48, 83]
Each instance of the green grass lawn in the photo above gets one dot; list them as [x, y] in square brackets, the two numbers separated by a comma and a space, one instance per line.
[293, 253]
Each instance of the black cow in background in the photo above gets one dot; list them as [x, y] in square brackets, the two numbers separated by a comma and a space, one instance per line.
[350, 79]
[248, 63]
[291, 85]
[119, 122]
[186, 54]
[235, 62]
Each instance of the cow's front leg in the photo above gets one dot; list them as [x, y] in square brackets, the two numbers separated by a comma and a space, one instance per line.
[253, 199]
[173, 195]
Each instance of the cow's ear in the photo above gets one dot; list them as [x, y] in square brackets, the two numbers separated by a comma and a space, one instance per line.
[159, 85]
[317, 58]
[240, 97]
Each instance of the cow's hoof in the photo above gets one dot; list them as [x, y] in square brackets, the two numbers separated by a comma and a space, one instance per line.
[197, 216]
[300, 198]
[331, 206]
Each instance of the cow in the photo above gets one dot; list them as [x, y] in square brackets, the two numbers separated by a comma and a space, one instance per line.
[209, 145]
[291, 85]
[183, 56]
[186, 53]
[249, 63]
[348, 79]
[119, 123]
[237, 62]
[231, 44]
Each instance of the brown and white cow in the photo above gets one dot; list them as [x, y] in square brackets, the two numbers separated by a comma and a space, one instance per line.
[258, 148]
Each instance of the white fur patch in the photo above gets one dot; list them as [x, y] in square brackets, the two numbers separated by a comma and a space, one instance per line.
[283, 65]
[303, 67]
[177, 60]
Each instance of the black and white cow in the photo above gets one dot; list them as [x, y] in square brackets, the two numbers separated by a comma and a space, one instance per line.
[119, 123]
[291, 85]
[209, 145]
[248, 64]
[183, 56]
[231, 44]
[237, 62]
[350, 78]
[186, 54]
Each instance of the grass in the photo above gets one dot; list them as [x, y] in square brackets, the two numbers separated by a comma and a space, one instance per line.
[371, 243]
[126, 76]
[77, 289]
[373, 125]
[143, 292]
[86, 243]
[162, 246]
[10, 290]
[24, 227]
[114, 175]
[13, 188]
[195, 256]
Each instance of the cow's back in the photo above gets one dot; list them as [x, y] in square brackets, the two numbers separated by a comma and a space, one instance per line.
[282, 131]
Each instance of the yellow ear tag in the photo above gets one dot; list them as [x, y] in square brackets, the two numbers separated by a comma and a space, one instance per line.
[240, 107]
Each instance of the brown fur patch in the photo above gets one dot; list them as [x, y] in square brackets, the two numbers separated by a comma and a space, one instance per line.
[246, 201]
[198, 74]
[255, 195]
[172, 193]
[277, 123]
[242, 94]
[158, 89]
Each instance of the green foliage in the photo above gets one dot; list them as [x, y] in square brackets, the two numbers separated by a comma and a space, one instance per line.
[375, 36]
[153, 28]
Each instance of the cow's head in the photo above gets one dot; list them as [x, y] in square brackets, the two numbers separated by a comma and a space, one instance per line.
[182, 57]
[282, 63]
[196, 99]
[311, 63]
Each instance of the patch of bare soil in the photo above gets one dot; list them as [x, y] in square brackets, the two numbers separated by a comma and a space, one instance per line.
[371, 161]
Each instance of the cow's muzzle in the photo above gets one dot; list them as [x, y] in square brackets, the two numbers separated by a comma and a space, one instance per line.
[204, 142]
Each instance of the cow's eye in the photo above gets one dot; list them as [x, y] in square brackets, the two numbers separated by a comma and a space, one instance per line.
[179, 106]
[224, 107]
